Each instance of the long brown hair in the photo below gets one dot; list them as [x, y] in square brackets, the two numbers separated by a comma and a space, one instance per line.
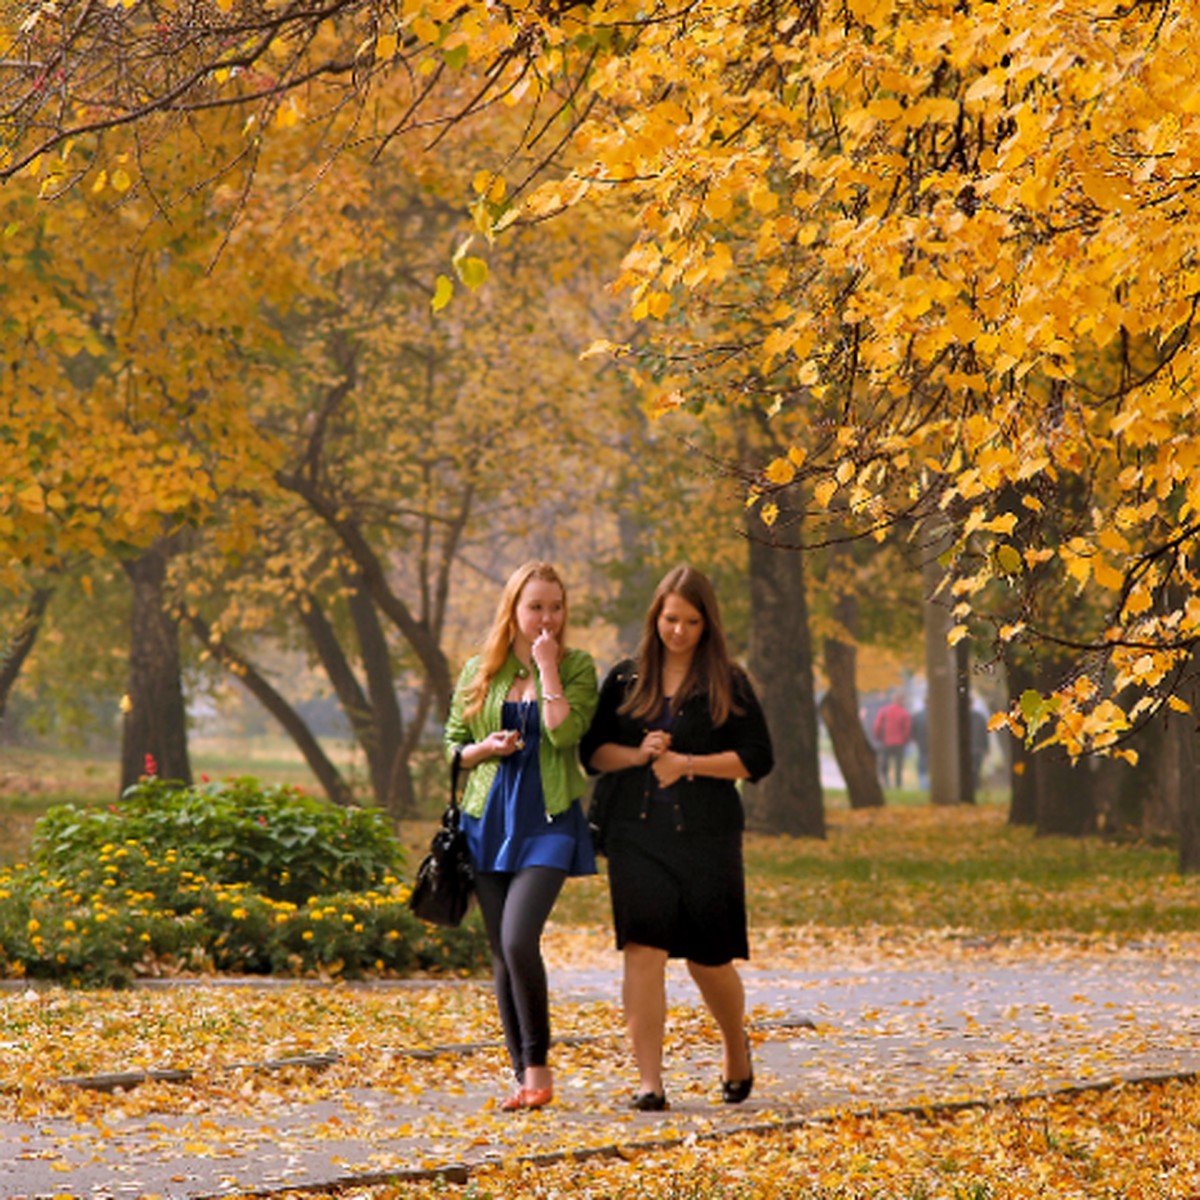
[504, 629]
[711, 670]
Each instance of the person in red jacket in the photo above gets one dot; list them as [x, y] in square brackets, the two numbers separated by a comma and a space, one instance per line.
[893, 729]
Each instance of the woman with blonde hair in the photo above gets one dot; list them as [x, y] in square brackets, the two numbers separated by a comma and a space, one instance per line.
[519, 710]
[675, 729]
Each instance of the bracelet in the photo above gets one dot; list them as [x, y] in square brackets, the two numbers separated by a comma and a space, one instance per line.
[548, 696]
[691, 777]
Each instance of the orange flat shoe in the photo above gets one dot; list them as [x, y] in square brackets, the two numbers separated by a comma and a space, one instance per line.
[527, 1098]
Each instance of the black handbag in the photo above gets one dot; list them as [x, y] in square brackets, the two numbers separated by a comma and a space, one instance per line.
[599, 812]
[445, 879]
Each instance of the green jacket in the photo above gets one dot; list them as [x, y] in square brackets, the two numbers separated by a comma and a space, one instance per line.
[563, 779]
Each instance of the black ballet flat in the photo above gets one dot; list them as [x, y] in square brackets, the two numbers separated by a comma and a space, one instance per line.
[650, 1102]
[734, 1091]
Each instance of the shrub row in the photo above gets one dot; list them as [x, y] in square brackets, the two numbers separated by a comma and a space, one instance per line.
[218, 878]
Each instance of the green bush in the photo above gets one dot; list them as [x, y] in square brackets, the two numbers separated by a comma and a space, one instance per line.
[275, 839]
[218, 878]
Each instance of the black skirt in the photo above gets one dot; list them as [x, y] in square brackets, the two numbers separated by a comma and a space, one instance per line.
[679, 890]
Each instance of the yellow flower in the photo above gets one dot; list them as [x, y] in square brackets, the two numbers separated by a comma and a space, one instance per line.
[308, 935]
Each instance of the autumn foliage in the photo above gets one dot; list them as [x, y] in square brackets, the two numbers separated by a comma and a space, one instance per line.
[948, 248]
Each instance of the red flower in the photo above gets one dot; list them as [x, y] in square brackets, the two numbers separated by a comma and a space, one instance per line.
[262, 821]
[151, 766]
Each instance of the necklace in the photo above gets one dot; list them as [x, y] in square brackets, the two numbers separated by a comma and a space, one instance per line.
[523, 707]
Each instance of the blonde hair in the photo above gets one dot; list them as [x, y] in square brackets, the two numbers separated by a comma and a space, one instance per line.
[711, 669]
[500, 636]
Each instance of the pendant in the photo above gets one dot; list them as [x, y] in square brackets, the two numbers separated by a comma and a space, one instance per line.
[520, 742]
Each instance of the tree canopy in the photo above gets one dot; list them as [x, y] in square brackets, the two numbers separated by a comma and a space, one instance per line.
[959, 238]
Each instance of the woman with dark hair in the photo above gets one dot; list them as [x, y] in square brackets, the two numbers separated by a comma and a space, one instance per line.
[675, 729]
[519, 710]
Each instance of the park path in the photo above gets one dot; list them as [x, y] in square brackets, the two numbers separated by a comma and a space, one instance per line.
[853, 1034]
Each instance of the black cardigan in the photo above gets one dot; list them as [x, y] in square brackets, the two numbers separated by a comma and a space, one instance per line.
[702, 805]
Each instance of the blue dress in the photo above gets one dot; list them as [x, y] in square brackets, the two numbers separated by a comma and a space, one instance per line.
[515, 831]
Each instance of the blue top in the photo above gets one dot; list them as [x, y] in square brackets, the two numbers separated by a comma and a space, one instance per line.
[515, 830]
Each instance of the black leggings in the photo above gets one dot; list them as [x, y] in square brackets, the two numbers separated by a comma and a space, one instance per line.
[515, 909]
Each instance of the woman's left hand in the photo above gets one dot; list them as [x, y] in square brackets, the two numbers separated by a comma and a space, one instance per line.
[669, 767]
[545, 652]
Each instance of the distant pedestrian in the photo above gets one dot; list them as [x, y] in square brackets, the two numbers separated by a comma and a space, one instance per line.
[893, 729]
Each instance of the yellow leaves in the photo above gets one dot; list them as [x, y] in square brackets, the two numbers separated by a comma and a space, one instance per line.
[653, 304]
[986, 88]
[780, 471]
[824, 491]
[424, 29]
[32, 498]
[602, 346]
[718, 204]
[288, 114]
[1107, 189]
[763, 199]
[490, 186]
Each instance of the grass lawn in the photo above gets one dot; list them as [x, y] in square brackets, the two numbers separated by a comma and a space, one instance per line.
[958, 868]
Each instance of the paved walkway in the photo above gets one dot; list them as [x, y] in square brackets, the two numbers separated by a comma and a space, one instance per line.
[855, 1038]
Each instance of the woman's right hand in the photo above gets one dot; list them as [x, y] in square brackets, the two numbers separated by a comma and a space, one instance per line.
[500, 743]
[655, 742]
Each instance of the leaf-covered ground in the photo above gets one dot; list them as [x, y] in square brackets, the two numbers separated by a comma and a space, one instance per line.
[826, 1054]
[1071, 965]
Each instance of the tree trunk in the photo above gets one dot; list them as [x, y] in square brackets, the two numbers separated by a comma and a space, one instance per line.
[327, 774]
[840, 711]
[1185, 729]
[1162, 804]
[1049, 792]
[374, 713]
[154, 738]
[962, 712]
[418, 632]
[789, 800]
[389, 766]
[1063, 793]
[20, 642]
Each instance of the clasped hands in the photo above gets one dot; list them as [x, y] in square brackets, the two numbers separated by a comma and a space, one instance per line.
[668, 765]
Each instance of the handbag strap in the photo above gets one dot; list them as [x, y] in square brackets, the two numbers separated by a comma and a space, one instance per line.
[455, 770]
